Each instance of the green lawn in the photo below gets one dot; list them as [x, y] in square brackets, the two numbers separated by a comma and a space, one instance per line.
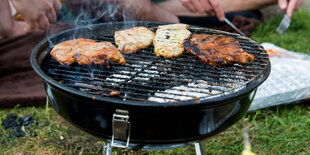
[277, 130]
[296, 38]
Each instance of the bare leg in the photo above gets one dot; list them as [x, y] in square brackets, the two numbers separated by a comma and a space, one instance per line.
[175, 7]
[147, 10]
[132, 9]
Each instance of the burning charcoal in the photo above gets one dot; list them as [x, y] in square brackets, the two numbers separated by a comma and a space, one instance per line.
[26, 121]
[17, 131]
[16, 128]
[19, 134]
[11, 116]
[10, 121]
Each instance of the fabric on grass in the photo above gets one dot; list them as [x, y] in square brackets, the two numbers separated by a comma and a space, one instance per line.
[19, 84]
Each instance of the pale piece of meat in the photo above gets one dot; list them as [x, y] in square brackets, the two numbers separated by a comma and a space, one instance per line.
[99, 53]
[86, 51]
[169, 39]
[65, 52]
[217, 49]
[134, 39]
[114, 93]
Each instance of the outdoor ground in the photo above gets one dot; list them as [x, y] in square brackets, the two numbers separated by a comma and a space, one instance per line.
[276, 130]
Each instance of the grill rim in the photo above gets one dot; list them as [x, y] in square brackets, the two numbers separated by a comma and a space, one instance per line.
[38, 53]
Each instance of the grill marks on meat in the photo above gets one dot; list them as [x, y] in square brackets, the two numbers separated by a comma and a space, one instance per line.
[169, 39]
[99, 53]
[86, 51]
[217, 49]
[134, 39]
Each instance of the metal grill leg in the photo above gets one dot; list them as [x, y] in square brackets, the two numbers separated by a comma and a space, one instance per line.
[200, 148]
[107, 149]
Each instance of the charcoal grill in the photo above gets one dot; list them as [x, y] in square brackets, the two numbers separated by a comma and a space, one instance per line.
[162, 103]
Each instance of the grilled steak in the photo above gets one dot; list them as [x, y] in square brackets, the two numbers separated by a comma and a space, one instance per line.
[169, 39]
[131, 40]
[86, 51]
[216, 49]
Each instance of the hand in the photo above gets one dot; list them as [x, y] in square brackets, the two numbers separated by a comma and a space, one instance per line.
[38, 14]
[290, 6]
[205, 6]
[17, 28]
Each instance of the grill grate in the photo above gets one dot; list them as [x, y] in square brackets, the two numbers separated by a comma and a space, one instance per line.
[146, 77]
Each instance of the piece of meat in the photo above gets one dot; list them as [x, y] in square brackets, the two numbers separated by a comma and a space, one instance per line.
[114, 93]
[134, 39]
[217, 49]
[65, 52]
[99, 53]
[86, 51]
[168, 41]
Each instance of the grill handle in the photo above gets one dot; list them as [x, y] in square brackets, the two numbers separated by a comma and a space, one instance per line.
[120, 128]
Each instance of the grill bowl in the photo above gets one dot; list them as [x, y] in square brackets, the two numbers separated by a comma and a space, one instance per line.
[152, 123]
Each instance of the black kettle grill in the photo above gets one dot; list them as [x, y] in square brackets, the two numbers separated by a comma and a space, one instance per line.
[162, 103]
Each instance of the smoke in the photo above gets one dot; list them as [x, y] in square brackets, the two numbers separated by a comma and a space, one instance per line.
[84, 13]
[96, 11]
[91, 11]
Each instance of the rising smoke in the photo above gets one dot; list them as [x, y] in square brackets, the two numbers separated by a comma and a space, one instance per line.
[85, 13]
[89, 12]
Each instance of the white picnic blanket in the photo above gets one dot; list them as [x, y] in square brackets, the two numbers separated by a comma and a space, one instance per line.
[289, 80]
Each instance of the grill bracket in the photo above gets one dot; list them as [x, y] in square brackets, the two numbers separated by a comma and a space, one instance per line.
[120, 128]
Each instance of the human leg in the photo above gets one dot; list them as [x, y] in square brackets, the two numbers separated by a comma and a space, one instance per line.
[176, 8]
[147, 10]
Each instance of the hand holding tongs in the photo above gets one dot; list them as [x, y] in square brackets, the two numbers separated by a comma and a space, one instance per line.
[209, 7]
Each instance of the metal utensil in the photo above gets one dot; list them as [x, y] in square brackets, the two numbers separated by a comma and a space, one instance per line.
[234, 27]
[285, 23]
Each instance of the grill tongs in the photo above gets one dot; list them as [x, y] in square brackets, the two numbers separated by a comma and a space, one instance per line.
[234, 27]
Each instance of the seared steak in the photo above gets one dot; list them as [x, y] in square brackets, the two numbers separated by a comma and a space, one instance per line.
[217, 49]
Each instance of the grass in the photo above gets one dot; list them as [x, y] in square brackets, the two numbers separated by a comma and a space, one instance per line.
[277, 130]
[295, 38]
